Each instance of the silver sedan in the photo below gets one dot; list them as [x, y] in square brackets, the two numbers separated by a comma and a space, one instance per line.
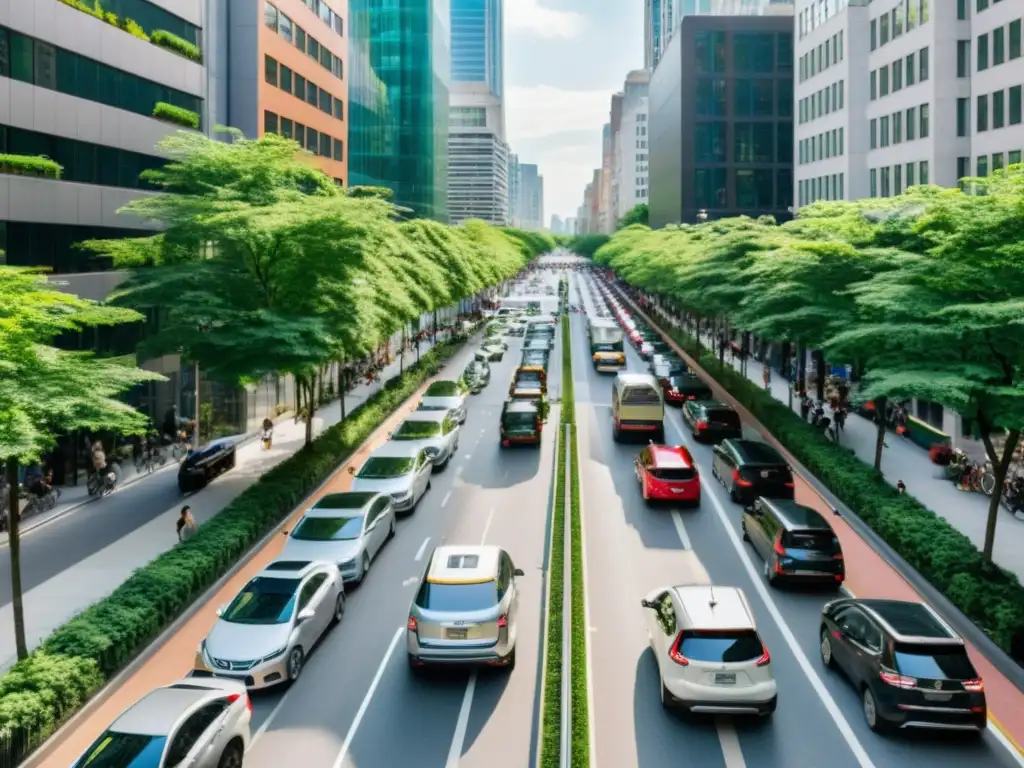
[401, 470]
[436, 431]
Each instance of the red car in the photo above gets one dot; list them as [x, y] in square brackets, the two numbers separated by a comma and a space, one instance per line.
[668, 473]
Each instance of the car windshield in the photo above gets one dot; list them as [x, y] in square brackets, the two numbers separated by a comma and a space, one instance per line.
[723, 417]
[442, 389]
[124, 750]
[528, 379]
[383, 467]
[417, 430]
[674, 473]
[934, 662]
[329, 528]
[264, 600]
[811, 541]
[457, 598]
[721, 647]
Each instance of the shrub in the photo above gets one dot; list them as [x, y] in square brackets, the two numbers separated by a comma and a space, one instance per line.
[26, 165]
[175, 44]
[989, 596]
[92, 9]
[132, 28]
[177, 115]
[41, 692]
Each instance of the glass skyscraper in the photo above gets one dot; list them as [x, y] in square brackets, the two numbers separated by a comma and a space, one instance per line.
[477, 43]
[399, 76]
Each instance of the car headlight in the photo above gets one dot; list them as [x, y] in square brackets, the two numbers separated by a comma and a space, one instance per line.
[276, 654]
[401, 495]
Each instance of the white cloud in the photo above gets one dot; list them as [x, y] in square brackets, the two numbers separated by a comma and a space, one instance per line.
[531, 16]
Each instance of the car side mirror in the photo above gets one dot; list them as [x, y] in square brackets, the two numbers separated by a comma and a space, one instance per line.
[518, 572]
[220, 610]
[351, 470]
[306, 614]
[645, 603]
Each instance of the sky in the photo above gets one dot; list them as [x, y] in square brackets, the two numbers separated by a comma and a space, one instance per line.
[563, 61]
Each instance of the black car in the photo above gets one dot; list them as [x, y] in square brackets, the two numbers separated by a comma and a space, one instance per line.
[666, 365]
[711, 421]
[748, 469]
[795, 542]
[685, 386]
[201, 466]
[911, 669]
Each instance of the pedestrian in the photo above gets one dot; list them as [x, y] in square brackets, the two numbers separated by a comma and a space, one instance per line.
[901, 487]
[186, 524]
[766, 377]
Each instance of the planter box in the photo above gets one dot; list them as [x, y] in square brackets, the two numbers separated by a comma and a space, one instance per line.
[925, 435]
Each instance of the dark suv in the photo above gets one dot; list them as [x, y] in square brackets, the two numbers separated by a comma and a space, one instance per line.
[710, 421]
[911, 668]
[795, 542]
[748, 469]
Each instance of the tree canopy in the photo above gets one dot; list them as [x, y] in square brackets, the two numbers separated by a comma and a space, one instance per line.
[638, 214]
[587, 245]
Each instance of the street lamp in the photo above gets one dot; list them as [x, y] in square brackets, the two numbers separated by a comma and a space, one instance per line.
[702, 215]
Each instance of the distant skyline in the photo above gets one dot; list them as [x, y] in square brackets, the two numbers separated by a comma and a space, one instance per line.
[563, 61]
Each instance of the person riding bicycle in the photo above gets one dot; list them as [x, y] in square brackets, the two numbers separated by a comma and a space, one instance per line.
[41, 485]
[99, 459]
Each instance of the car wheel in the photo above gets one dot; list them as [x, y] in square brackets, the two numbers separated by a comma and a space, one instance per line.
[769, 575]
[339, 608]
[296, 659]
[746, 536]
[734, 496]
[870, 707]
[667, 700]
[825, 646]
[364, 567]
[391, 530]
[510, 660]
[231, 757]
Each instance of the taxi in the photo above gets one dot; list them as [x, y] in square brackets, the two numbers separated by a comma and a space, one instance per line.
[530, 381]
[668, 473]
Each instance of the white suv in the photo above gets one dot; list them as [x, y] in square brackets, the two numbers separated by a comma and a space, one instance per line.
[710, 657]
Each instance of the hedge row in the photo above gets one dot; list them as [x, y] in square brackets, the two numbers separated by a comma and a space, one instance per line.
[989, 596]
[177, 115]
[40, 693]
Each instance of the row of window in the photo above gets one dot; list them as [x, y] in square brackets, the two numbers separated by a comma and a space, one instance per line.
[890, 182]
[824, 146]
[305, 90]
[762, 189]
[993, 111]
[981, 6]
[641, 194]
[641, 130]
[904, 17]
[752, 97]
[34, 61]
[817, 14]
[829, 99]
[899, 127]
[1000, 36]
[81, 161]
[753, 52]
[767, 142]
[327, 16]
[819, 59]
[905, 72]
[983, 167]
[467, 117]
[641, 144]
[55, 246]
[297, 36]
[151, 17]
[316, 142]
[819, 188]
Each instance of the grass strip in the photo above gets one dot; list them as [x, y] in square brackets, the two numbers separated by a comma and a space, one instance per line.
[551, 719]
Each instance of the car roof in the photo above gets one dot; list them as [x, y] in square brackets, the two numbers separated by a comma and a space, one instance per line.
[636, 379]
[910, 620]
[714, 608]
[287, 568]
[346, 500]
[156, 713]
[397, 450]
[797, 517]
[671, 456]
[456, 564]
[756, 452]
[437, 416]
[521, 405]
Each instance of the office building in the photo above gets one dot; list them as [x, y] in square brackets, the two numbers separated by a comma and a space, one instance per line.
[478, 176]
[557, 226]
[674, 11]
[531, 195]
[570, 225]
[606, 221]
[941, 100]
[399, 73]
[652, 33]
[632, 183]
[721, 120]
[613, 179]
[514, 198]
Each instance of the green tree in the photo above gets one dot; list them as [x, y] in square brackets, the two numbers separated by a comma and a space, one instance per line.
[45, 391]
[638, 214]
[587, 245]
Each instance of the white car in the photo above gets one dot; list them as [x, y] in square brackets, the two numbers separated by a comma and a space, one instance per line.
[348, 529]
[445, 396]
[401, 470]
[262, 637]
[710, 658]
[436, 431]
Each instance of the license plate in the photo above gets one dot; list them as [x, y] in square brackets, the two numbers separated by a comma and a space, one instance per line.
[677, 490]
[456, 633]
[766, 474]
[938, 696]
[725, 678]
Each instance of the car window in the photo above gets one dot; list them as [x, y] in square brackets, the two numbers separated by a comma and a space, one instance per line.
[934, 662]
[381, 506]
[730, 646]
[264, 600]
[309, 589]
[449, 425]
[191, 730]
[123, 750]
[457, 598]
[340, 528]
[424, 459]
[504, 575]
[853, 624]
[384, 467]
[666, 614]
[723, 417]
[416, 430]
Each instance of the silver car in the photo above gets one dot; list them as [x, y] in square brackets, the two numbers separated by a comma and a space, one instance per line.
[466, 609]
[436, 431]
[261, 638]
[401, 470]
[348, 529]
[195, 722]
[445, 396]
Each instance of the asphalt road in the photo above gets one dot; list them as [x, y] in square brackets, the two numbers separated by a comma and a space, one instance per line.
[356, 703]
[631, 549]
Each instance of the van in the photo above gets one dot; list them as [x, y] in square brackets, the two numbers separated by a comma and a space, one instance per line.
[795, 542]
[638, 406]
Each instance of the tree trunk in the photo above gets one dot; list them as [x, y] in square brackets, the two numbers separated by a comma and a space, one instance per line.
[341, 386]
[1000, 465]
[786, 355]
[801, 364]
[881, 403]
[14, 542]
[309, 385]
[819, 363]
[436, 340]
[401, 353]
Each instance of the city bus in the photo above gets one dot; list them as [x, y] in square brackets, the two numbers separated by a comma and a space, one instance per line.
[606, 344]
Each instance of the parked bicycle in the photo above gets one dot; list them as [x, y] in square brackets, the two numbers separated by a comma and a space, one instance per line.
[151, 458]
[968, 475]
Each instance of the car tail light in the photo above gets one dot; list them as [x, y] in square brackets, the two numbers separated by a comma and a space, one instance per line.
[701, 424]
[236, 696]
[739, 480]
[503, 621]
[674, 653]
[765, 658]
[413, 624]
[789, 484]
[779, 549]
[977, 685]
[837, 556]
[897, 680]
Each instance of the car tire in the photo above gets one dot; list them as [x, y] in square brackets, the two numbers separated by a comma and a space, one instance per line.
[734, 496]
[746, 536]
[296, 660]
[364, 567]
[339, 608]
[615, 434]
[870, 708]
[667, 699]
[825, 649]
[510, 663]
[231, 757]
[391, 530]
[769, 576]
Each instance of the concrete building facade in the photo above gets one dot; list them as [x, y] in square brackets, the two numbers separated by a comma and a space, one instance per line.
[632, 182]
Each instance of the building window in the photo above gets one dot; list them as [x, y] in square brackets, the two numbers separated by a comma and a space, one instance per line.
[711, 94]
[709, 188]
[874, 84]
[753, 52]
[911, 70]
[897, 75]
[1013, 157]
[897, 180]
[874, 34]
[752, 143]
[270, 70]
[998, 47]
[883, 82]
[287, 128]
[874, 133]
[883, 29]
[997, 161]
[910, 175]
[924, 111]
[923, 171]
[709, 52]
[897, 128]
[963, 170]
[754, 97]
[982, 110]
[886, 189]
[923, 65]
[1015, 39]
[982, 166]
[883, 131]
[873, 183]
[285, 78]
[339, 109]
[982, 52]
[1015, 105]
[963, 117]
[963, 58]
[270, 122]
[784, 97]
[709, 142]
[998, 110]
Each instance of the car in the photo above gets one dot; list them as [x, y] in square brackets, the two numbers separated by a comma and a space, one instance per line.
[536, 357]
[436, 431]
[529, 381]
[710, 421]
[466, 609]
[401, 470]
[538, 345]
[911, 669]
[711, 659]
[521, 422]
[637, 406]
[686, 386]
[645, 349]
[750, 468]
[477, 375]
[667, 366]
[195, 721]
[262, 637]
[796, 543]
[491, 353]
[201, 466]
[667, 473]
[516, 329]
[348, 529]
[445, 395]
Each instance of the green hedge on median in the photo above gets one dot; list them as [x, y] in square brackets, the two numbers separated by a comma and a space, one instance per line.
[37, 695]
[989, 596]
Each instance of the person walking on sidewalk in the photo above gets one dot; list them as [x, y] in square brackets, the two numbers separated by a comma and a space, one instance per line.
[186, 524]
[766, 377]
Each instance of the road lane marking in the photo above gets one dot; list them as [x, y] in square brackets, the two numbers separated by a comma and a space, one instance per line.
[423, 547]
[410, 581]
[446, 499]
[859, 753]
[462, 724]
[365, 705]
[677, 519]
[730, 743]
[487, 526]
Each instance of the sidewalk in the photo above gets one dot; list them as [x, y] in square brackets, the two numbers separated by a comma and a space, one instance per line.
[75, 561]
